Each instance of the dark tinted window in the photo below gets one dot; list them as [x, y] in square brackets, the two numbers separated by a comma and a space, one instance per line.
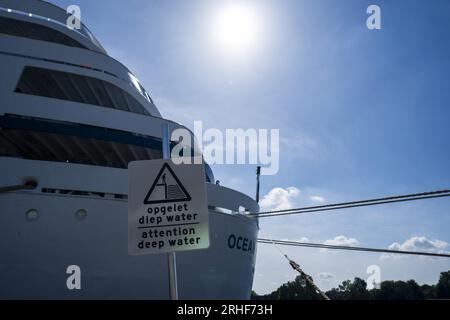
[74, 143]
[61, 141]
[76, 88]
[35, 31]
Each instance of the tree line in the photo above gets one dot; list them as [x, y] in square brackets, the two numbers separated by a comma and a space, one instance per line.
[300, 289]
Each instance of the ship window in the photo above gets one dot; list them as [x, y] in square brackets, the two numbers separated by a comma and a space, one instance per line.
[46, 146]
[35, 31]
[62, 141]
[76, 88]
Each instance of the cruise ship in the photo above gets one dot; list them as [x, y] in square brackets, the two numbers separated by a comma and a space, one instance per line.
[71, 120]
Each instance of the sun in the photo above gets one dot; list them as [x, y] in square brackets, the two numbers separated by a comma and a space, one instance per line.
[236, 28]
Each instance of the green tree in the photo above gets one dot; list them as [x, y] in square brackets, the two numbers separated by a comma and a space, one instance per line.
[348, 290]
[254, 296]
[443, 286]
[429, 292]
[299, 289]
[399, 290]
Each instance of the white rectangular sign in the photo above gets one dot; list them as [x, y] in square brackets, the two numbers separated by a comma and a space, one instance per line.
[167, 207]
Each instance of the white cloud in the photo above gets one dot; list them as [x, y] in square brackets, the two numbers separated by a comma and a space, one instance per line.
[317, 199]
[342, 241]
[326, 277]
[420, 244]
[280, 199]
[302, 239]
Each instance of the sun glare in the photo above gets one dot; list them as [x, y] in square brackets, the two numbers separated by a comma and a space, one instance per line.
[236, 29]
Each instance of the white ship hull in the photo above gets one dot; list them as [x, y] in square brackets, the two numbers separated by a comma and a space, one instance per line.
[37, 249]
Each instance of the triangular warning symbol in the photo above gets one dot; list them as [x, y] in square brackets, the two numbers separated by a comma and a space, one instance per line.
[166, 188]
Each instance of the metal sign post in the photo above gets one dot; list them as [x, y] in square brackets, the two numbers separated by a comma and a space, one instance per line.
[171, 256]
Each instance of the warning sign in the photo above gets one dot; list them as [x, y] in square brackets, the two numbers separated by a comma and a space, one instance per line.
[166, 188]
[167, 207]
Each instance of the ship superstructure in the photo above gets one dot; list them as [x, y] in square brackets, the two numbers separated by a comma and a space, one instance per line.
[71, 119]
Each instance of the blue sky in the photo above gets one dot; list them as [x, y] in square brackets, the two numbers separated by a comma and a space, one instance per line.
[361, 113]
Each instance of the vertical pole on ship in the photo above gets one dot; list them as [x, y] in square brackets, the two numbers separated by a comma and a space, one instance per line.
[171, 257]
[258, 174]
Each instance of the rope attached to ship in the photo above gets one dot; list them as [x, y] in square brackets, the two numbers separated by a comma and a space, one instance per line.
[334, 247]
[303, 275]
[343, 205]
[310, 280]
[354, 204]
